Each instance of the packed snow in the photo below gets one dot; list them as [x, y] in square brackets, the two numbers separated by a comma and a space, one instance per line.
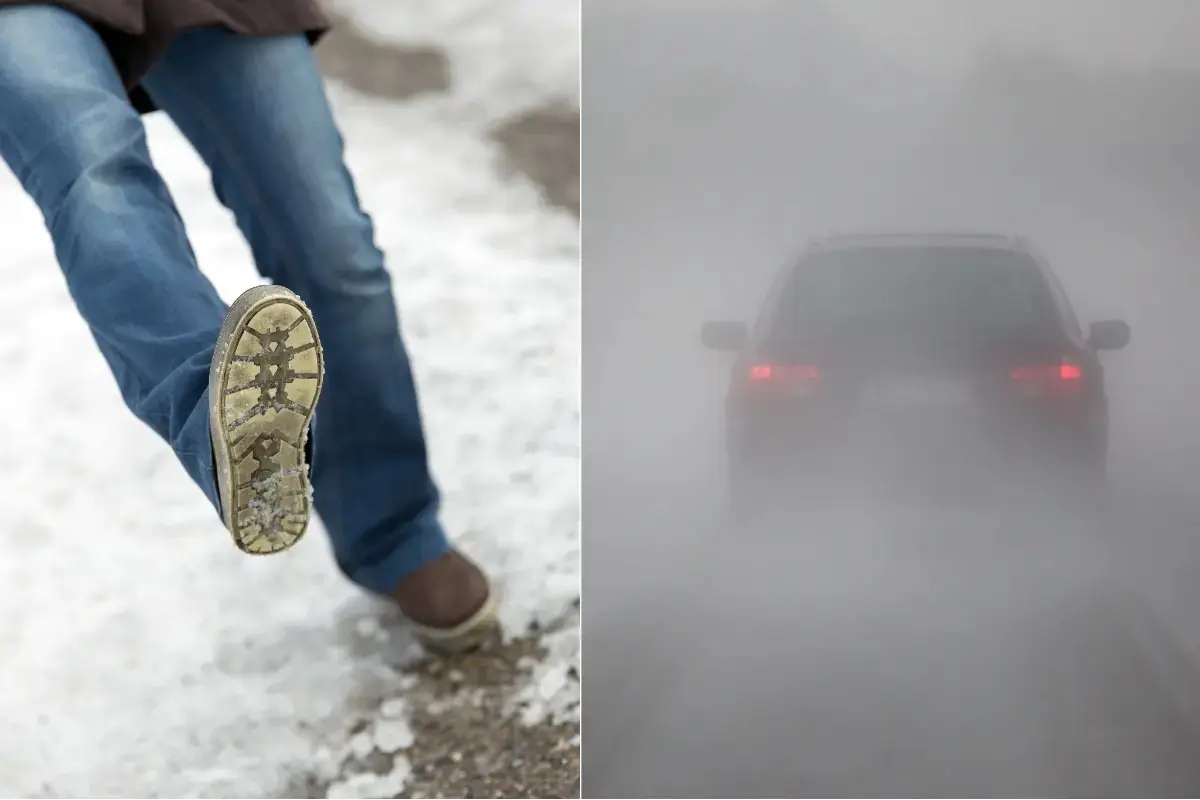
[141, 653]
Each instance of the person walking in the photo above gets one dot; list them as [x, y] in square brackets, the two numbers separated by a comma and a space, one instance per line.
[235, 390]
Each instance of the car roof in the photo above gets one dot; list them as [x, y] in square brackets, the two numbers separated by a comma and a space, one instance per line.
[996, 241]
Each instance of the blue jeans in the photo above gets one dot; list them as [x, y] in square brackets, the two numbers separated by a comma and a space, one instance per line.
[256, 111]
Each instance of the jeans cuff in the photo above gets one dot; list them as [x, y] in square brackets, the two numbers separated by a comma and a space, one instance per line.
[423, 543]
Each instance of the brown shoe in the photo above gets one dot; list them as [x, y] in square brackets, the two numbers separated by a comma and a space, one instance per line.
[450, 604]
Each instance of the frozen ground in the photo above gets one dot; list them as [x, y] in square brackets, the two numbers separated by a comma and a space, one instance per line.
[141, 654]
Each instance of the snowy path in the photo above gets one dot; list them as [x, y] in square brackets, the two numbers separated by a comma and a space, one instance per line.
[141, 654]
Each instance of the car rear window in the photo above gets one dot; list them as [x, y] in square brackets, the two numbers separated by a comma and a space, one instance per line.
[957, 289]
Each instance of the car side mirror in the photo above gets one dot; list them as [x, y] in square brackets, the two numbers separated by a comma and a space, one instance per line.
[726, 336]
[1112, 334]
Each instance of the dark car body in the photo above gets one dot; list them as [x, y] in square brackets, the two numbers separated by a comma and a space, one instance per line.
[947, 358]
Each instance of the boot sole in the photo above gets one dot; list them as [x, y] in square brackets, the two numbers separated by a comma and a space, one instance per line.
[266, 376]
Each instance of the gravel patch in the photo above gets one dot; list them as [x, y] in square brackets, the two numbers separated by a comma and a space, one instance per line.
[543, 144]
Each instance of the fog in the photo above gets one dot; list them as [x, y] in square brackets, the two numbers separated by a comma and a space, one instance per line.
[947, 34]
[885, 649]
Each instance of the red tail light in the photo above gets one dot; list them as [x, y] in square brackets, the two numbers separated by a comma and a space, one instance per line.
[784, 372]
[1049, 379]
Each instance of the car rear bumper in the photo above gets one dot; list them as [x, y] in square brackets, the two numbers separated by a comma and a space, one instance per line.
[941, 457]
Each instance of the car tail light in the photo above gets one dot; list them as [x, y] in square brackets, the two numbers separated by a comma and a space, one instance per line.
[784, 372]
[777, 381]
[1053, 380]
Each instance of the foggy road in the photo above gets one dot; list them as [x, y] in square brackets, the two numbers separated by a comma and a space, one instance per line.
[893, 655]
[882, 652]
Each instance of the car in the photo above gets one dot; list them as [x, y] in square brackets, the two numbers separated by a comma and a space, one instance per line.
[948, 361]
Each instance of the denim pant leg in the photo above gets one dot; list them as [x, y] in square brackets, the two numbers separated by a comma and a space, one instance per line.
[256, 111]
[71, 138]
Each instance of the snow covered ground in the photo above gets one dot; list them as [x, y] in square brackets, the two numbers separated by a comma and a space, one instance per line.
[140, 653]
